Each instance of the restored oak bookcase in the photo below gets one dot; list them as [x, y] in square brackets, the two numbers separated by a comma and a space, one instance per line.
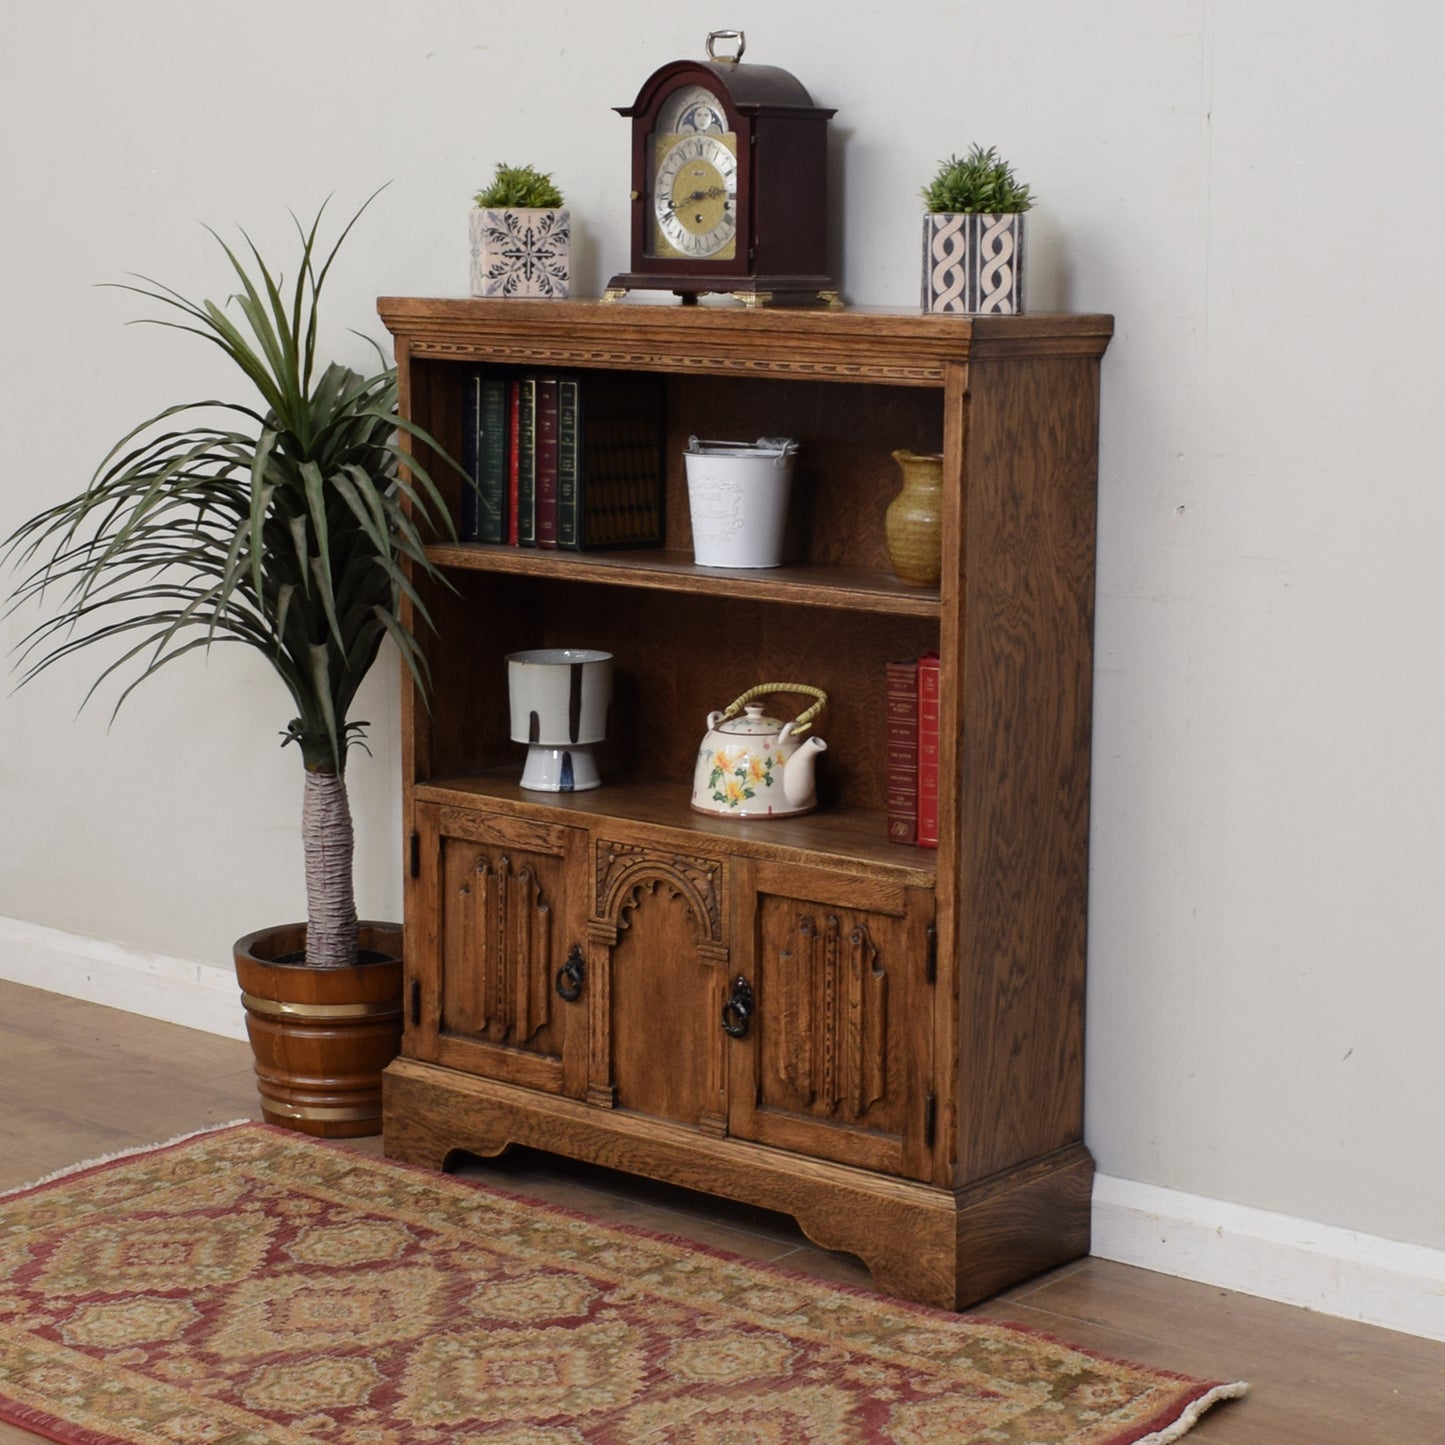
[910, 1083]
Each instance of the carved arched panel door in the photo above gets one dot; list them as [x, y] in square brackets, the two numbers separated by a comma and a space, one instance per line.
[658, 961]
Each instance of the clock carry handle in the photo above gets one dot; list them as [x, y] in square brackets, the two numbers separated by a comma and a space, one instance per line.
[726, 35]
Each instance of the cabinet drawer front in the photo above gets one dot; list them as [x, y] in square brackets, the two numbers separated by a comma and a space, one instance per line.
[830, 888]
[526, 834]
[839, 1050]
[500, 895]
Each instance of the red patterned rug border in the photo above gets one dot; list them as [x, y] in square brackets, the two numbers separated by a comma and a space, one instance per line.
[1171, 1424]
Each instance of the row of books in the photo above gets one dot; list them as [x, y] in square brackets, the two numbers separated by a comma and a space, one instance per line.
[563, 460]
[912, 711]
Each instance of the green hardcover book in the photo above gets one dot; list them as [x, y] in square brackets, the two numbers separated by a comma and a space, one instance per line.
[527, 461]
[569, 419]
[545, 464]
[614, 454]
[491, 448]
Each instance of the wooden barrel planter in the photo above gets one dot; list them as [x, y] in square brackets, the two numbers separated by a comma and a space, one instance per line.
[321, 1036]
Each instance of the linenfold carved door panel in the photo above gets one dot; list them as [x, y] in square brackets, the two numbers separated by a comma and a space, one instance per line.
[835, 1061]
[502, 978]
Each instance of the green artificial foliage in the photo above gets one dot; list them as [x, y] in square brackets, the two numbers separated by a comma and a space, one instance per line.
[285, 523]
[981, 182]
[521, 187]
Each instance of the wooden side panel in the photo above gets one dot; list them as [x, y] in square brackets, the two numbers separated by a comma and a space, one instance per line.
[1022, 801]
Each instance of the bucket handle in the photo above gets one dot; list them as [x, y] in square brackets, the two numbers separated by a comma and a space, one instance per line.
[787, 446]
[804, 719]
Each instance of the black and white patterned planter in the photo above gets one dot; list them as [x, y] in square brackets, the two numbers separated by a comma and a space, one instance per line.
[973, 262]
[520, 251]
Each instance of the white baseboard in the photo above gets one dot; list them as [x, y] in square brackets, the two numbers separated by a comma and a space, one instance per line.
[198, 995]
[1295, 1261]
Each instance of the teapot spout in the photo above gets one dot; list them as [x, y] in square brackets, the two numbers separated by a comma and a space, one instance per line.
[798, 781]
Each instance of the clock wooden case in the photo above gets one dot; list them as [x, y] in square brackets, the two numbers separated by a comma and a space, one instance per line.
[729, 184]
[882, 1040]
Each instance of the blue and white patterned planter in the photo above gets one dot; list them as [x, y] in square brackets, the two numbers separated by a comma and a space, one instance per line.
[518, 251]
[973, 262]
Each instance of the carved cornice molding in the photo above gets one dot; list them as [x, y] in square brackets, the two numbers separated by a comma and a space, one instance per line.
[535, 354]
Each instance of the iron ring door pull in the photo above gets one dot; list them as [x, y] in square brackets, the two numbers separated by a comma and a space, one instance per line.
[737, 1012]
[571, 976]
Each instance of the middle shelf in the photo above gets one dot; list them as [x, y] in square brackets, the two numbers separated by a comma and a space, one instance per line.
[858, 589]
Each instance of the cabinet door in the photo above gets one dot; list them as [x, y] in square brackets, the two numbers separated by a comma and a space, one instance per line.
[659, 957]
[833, 1051]
[495, 944]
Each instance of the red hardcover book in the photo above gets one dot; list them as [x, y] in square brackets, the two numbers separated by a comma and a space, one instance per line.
[901, 712]
[928, 691]
[546, 463]
[514, 413]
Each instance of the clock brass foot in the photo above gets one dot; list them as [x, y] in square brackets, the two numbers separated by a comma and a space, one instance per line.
[614, 293]
[753, 299]
[831, 299]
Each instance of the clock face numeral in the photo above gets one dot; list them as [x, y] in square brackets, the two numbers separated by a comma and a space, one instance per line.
[694, 196]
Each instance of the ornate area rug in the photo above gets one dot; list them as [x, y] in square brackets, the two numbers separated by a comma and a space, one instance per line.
[250, 1287]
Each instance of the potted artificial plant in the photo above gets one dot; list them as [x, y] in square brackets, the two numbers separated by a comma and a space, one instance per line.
[973, 235]
[286, 523]
[521, 236]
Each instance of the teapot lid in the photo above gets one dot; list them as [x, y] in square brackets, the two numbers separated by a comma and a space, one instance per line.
[752, 723]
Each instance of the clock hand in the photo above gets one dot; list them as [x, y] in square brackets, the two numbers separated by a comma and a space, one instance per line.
[699, 196]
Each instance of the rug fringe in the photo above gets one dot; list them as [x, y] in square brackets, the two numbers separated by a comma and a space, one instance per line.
[1190, 1418]
[119, 1154]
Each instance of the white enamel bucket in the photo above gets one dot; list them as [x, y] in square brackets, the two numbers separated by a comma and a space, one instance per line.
[737, 493]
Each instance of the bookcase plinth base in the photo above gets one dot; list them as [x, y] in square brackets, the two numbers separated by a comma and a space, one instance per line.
[942, 1247]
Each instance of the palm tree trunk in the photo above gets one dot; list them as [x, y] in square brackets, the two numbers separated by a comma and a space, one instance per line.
[329, 843]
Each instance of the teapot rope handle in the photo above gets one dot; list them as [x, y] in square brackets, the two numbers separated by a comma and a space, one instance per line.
[802, 722]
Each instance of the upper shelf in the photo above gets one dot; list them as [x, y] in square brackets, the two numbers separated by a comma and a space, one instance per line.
[854, 589]
[908, 348]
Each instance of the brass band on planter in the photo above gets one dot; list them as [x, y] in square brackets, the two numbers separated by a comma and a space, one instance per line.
[271, 1105]
[276, 1009]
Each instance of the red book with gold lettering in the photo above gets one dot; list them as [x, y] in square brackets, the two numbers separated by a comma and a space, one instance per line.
[928, 694]
[901, 709]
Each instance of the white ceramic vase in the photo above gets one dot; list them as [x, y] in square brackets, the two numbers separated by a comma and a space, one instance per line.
[559, 702]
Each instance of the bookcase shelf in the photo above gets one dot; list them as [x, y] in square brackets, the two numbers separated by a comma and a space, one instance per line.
[884, 1040]
[859, 589]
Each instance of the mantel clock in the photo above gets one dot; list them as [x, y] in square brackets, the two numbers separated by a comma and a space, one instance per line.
[729, 183]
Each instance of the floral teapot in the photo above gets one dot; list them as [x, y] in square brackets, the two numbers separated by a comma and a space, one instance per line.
[752, 766]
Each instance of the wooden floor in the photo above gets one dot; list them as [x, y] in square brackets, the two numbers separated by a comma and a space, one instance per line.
[78, 1081]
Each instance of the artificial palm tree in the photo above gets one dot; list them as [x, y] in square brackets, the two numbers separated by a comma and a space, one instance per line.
[288, 527]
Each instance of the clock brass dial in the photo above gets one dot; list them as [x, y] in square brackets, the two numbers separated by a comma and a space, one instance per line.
[694, 197]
